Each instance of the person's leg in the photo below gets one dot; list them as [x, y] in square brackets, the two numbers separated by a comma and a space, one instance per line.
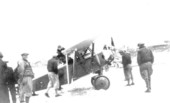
[150, 71]
[21, 92]
[21, 95]
[148, 81]
[50, 84]
[4, 94]
[131, 75]
[28, 88]
[56, 85]
[144, 74]
[124, 71]
[60, 88]
[146, 78]
[132, 78]
[13, 92]
[33, 91]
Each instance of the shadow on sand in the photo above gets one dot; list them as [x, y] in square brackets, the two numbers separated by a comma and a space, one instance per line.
[80, 91]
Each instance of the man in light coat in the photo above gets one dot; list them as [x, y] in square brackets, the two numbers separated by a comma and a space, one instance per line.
[25, 79]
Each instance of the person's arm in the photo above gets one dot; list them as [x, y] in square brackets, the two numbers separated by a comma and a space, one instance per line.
[130, 59]
[55, 66]
[138, 58]
[21, 67]
[152, 57]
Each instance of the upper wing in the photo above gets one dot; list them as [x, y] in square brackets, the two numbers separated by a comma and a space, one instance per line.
[80, 46]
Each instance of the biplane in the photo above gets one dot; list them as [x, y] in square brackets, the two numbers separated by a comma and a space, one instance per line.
[85, 61]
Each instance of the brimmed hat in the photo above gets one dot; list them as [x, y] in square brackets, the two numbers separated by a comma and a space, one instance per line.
[24, 54]
[141, 44]
[60, 48]
[121, 51]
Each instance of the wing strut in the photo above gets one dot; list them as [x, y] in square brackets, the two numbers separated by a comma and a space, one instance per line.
[67, 69]
[74, 63]
[92, 54]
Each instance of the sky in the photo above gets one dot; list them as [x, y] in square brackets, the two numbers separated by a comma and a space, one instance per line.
[39, 26]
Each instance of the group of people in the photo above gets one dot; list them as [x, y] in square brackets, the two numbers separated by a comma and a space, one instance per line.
[145, 59]
[23, 76]
[8, 79]
[5, 83]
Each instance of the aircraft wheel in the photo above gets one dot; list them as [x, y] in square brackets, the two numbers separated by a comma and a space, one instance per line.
[101, 82]
[93, 79]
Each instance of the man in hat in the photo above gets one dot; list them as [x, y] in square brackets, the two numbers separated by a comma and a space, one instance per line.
[25, 79]
[145, 60]
[60, 55]
[61, 58]
[10, 81]
[4, 94]
[127, 68]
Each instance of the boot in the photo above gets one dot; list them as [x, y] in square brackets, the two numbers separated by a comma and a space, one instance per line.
[27, 99]
[148, 90]
[148, 86]
[132, 83]
[128, 83]
[34, 94]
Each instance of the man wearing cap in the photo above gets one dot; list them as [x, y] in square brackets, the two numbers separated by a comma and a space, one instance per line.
[4, 94]
[25, 79]
[61, 57]
[127, 68]
[145, 60]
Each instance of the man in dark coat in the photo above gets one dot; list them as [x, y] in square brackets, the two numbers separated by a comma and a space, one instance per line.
[145, 60]
[52, 68]
[4, 94]
[127, 68]
[10, 81]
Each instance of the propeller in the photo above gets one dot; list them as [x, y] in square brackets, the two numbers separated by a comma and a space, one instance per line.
[112, 42]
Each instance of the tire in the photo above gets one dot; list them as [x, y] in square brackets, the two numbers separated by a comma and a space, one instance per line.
[101, 82]
[93, 79]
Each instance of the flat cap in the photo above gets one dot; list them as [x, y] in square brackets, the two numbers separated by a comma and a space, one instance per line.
[24, 54]
[141, 44]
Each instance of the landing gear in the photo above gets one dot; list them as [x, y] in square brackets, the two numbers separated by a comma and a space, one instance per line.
[100, 82]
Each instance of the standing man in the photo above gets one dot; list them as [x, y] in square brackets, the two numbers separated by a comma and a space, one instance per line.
[10, 81]
[4, 94]
[62, 59]
[52, 68]
[127, 68]
[145, 60]
[60, 55]
[25, 79]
